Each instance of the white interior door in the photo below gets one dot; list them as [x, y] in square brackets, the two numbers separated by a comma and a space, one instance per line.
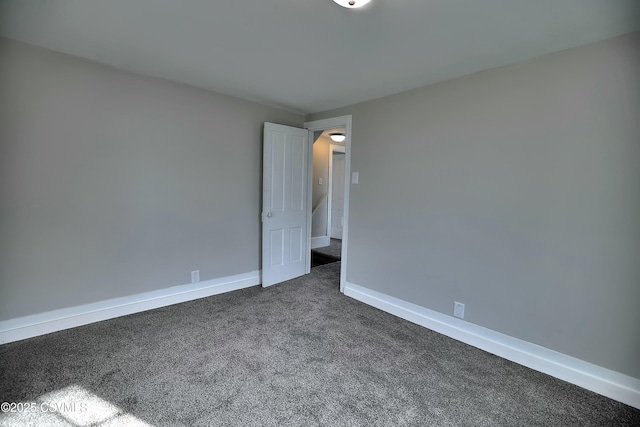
[337, 194]
[285, 198]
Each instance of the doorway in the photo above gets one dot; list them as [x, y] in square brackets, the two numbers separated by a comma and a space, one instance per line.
[287, 203]
[337, 213]
[327, 217]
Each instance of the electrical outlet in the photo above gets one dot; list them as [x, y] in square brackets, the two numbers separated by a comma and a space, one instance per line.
[320, 181]
[458, 309]
[195, 276]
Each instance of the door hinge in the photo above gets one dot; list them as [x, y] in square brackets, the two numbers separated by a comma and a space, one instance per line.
[261, 216]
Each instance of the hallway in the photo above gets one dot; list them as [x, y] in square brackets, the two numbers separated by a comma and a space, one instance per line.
[327, 254]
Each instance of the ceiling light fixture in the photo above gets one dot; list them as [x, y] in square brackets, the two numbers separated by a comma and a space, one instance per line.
[352, 4]
[337, 137]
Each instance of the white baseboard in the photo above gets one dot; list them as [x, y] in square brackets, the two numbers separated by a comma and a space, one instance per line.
[606, 382]
[320, 242]
[57, 320]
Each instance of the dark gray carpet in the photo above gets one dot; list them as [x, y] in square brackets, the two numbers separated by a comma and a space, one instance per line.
[334, 249]
[296, 354]
[327, 254]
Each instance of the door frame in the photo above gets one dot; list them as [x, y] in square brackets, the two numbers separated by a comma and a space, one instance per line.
[322, 125]
[333, 148]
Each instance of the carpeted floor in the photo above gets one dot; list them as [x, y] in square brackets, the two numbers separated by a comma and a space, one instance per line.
[296, 354]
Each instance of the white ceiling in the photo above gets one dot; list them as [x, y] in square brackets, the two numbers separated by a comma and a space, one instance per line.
[312, 55]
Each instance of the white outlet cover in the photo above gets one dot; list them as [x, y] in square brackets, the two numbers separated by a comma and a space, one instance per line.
[355, 177]
[195, 276]
[458, 309]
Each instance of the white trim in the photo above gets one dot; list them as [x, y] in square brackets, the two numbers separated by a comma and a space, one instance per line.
[320, 242]
[58, 320]
[309, 195]
[346, 123]
[606, 382]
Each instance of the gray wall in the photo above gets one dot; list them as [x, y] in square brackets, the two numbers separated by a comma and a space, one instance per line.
[114, 184]
[515, 191]
[320, 170]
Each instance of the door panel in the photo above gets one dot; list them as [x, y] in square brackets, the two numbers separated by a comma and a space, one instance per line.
[285, 201]
[295, 244]
[277, 247]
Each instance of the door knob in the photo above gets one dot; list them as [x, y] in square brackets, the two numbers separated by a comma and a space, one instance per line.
[269, 215]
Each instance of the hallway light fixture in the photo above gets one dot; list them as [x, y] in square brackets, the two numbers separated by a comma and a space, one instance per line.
[337, 137]
[352, 4]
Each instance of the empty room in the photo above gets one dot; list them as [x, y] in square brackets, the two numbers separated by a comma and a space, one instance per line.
[319, 213]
